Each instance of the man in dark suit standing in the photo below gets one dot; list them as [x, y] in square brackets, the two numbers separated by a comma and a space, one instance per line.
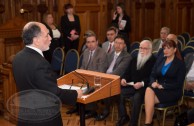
[137, 75]
[33, 72]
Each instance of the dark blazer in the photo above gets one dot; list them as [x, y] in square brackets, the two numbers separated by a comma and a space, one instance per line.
[174, 77]
[127, 28]
[189, 59]
[134, 75]
[32, 71]
[99, 60]
[121, 62]
[67, 26]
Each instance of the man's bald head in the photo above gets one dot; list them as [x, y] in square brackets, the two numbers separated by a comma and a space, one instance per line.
[172, 37]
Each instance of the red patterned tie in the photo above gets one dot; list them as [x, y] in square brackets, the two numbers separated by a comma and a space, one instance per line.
[109, 50]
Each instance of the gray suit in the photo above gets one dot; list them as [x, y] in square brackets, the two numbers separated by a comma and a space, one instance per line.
[156, 44]
[105, 46]
[121, 62]
[189, 59]
[98, 61]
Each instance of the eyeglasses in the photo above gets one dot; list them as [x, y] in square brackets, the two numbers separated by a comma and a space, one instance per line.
[142, 48]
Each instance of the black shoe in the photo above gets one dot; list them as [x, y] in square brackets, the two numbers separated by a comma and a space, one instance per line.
[102, 116]
[71, 111]
[122, 121]
[90, 114]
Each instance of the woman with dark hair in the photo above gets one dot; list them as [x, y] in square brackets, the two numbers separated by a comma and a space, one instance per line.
[166, 80]
[55, 34]
[122, 21]
[70, 26]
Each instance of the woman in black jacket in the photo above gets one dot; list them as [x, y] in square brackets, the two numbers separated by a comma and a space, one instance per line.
[166, 80]
[70, 26]
[122, 21]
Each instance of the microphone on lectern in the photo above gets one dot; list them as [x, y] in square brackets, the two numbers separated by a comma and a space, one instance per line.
[89, 89]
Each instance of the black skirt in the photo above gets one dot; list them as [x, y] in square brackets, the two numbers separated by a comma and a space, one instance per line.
[167, 95]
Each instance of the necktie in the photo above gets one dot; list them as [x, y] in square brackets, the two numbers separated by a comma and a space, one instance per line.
[109, 50]
[89, 60]
[110, 69]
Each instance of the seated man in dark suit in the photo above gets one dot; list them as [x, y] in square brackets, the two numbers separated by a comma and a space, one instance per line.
[118, 61]
[33, 72]
[137, 75]
[189, 62]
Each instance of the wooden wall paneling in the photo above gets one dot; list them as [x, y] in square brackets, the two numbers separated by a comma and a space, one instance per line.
[86, 24]
[149, 19]
[102, 25]
[92, 16]
[9, 87]
[10, 38]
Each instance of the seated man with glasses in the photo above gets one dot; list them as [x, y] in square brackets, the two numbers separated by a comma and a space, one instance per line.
[134, 82]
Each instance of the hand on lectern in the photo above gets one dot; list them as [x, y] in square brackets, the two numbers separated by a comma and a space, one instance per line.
[79, 93]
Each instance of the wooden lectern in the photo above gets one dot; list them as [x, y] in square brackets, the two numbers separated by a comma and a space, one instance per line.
[110, 87]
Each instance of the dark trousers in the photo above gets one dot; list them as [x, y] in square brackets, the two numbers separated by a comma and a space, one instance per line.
[190, 115]
[71, 45]
[136, 97]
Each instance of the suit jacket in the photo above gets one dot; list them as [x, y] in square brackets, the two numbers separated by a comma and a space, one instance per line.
[67, 26]
[174, 77]
[156, 44]
[98, 62]
[134, 75]
[32, 71]
[121, 62]
[189, 59]
[105, 46]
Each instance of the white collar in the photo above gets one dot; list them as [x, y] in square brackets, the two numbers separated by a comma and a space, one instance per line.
[112, 43]
[36, 49]
[117, 53]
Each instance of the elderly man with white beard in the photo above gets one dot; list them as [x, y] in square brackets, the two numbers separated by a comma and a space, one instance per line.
[134, 82]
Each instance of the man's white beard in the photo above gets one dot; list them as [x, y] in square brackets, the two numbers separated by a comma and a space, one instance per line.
[141, 60]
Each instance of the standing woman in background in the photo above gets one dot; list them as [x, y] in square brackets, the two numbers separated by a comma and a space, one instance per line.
[55, 34]
[122, 21]
[70, 26]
